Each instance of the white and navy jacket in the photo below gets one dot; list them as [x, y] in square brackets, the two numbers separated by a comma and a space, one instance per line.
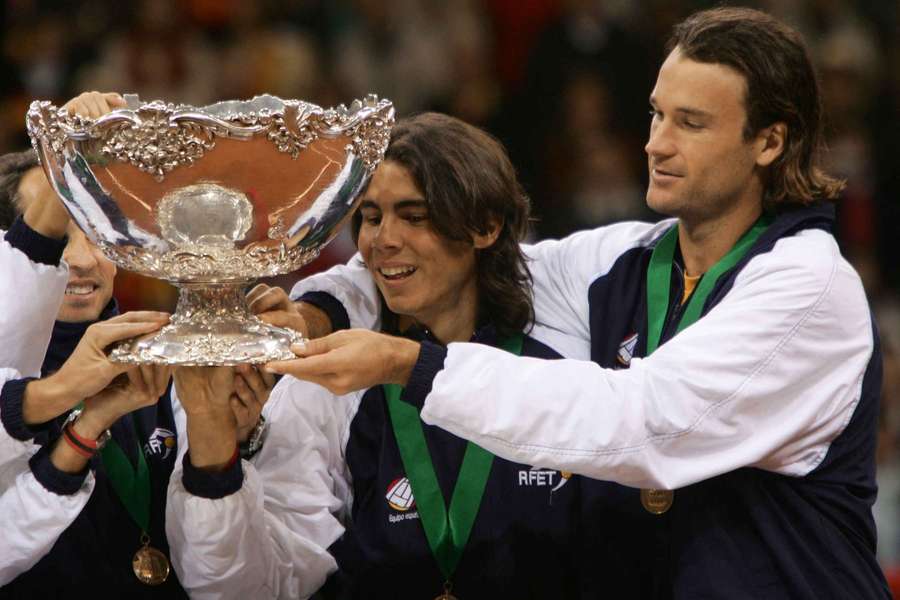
[69, 533]
[326, 501]
[32, 283]
[762, 415]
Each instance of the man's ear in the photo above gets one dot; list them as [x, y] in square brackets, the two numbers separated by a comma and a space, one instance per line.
[772, 141]
[487, 239]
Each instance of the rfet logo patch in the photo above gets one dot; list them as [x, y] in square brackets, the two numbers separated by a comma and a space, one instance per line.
[626, 350]
[160, 443]
[538, 477]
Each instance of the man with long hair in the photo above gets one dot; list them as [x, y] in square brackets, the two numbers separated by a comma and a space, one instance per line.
[341, 490]
[736, 368]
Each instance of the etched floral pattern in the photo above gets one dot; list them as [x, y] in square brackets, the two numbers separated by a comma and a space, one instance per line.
[159, 137]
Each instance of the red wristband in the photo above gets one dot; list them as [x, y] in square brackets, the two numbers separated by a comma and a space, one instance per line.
[74, 444]
[92, 444]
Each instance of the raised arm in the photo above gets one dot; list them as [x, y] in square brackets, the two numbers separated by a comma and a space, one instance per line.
[31, 515]
[562, 271]
[768, 378]
[262, 528]
[33, 280]
[38, 500]
[274, 306]
[346, 293]
[31, 252]
[44, 488]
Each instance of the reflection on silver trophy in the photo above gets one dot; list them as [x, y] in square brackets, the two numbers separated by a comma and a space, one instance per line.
[210, 199]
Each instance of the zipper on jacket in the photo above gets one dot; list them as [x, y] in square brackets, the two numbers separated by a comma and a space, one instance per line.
[676, 307]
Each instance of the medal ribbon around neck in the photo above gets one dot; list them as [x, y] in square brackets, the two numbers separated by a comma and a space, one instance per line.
[659, 280]
[132, 485]
[447, 531]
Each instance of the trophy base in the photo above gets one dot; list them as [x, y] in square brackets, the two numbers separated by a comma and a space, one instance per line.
[212, 326]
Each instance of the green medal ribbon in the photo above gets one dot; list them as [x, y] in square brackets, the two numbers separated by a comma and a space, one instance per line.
[447, 531]
[132, 485]
[659, 280]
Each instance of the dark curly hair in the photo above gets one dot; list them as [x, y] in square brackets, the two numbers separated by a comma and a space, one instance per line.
[781, 86]
[469, 184]
[12, 167]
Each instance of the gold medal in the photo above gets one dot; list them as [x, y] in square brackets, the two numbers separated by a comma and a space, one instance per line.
[657, 501]
[150, 565]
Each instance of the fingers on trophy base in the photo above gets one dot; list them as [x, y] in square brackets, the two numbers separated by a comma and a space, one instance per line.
[222, 344]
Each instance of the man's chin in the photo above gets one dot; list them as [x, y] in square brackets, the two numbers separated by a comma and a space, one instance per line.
[662, 203]
[79, 311]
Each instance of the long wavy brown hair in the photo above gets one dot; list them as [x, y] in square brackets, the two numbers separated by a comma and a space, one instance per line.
[781, 86]
[469, 184]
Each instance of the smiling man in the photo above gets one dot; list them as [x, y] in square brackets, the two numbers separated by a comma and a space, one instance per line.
[736, 370]
[431, 277]
[95, 543]
[91, 274]
[706, 162]
[91, 277]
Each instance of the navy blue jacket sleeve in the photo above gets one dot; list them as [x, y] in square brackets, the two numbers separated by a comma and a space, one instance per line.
[428, 365]
[11, 397]
[37, 247]
[56, 481]
[332, 307]
[213, 485]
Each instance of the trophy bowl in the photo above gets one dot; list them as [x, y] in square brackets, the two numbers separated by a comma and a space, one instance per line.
[210, 199]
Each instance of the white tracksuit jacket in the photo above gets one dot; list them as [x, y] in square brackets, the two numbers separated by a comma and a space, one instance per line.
[32, 517]
[759, 396]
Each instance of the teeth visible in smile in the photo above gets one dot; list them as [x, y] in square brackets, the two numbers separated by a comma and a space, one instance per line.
[79, 290]
[396, 271]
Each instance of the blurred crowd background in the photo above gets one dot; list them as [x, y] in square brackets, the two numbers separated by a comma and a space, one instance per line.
[563, 83]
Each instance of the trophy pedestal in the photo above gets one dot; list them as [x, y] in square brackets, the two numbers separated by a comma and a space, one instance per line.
[212, 326]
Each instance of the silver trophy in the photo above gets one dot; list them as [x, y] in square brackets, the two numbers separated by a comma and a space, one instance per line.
[210, 199]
